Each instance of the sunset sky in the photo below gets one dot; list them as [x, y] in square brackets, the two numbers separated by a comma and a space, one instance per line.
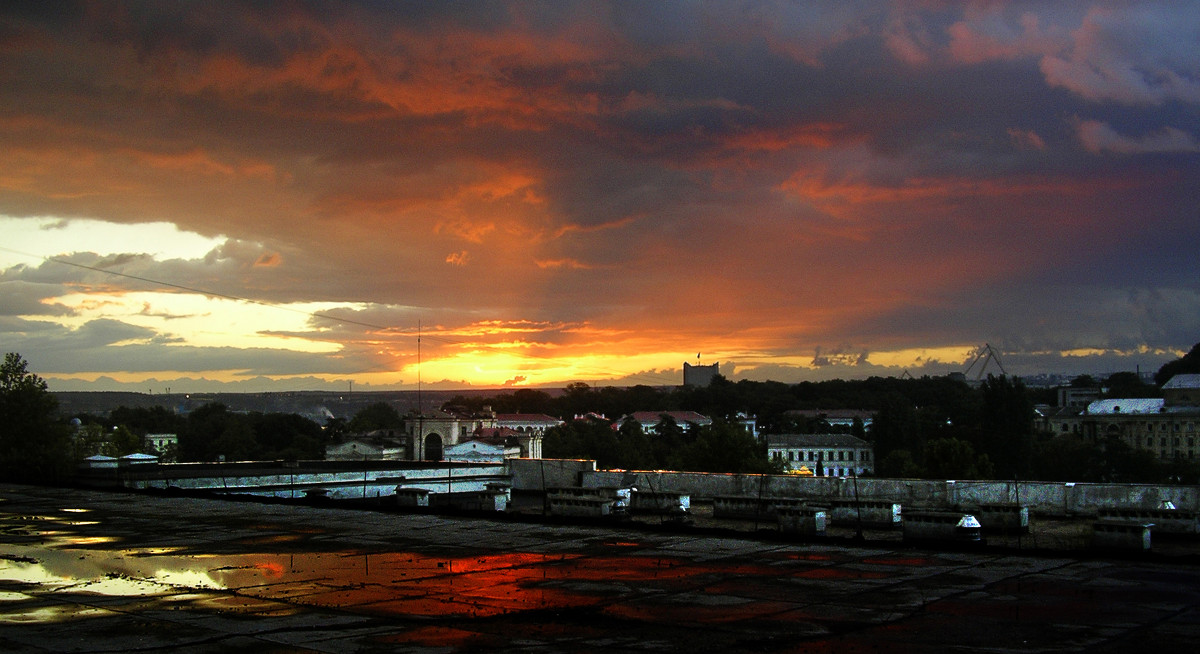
[284, 196]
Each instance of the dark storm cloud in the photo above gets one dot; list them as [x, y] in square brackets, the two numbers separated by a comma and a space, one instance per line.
[831, 172]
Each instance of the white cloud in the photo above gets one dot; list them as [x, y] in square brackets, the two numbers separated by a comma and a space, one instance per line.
[1097, 136]
[1143, 53]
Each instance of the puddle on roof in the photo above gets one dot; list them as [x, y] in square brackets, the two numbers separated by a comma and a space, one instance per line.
[374, 583]
[66, 564]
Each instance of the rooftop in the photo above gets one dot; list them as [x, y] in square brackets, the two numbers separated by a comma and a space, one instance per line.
[816, 440]
[680, 417]
[1126, 405]
[527, 418]
[1183, 382]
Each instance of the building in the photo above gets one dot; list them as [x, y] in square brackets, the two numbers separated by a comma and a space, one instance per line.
[1058, 420]
[748, 423]
[164, 445]
[834, 417]
[1077, 397]
[827, 455]
[528, 430]
[1182, 391]
[431, 433]
[493, 445]
[381, 445]
[699, 375]
[649, 420]
[1168, 427]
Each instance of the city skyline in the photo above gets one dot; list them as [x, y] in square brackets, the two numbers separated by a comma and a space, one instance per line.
[288, 196]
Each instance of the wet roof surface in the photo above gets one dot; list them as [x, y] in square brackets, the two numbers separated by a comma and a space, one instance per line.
[85, 571]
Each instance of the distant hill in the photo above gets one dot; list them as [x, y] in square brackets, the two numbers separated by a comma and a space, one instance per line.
[308, 403]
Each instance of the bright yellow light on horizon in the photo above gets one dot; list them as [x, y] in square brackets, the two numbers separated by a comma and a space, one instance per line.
[920, 356]
[500, 367]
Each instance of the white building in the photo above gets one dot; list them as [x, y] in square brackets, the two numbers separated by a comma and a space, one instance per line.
[381, 445]
[1168, 427]
[483, 450]
[827, 455]
[835, 417]
[649, 420]
[161, 444]
[431, 434]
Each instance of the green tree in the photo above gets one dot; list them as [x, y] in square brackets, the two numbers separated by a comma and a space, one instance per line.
[901, 464]
[236, 442]
[122, 441]
[335, 428]
[951, 458]
[33, 445]
[147, 420]
[287, 436]
[1006, 429]
[1188, 364]
[88, 440]
[379, 415]
[1067, 457]
[1128, 384]
[197, 442]
[724, 447]
[637, 450]
[896, 427]
[1084, 381]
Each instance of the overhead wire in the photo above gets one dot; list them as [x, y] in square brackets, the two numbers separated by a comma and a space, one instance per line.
[313, 314]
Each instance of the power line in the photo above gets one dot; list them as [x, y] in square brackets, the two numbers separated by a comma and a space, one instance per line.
[314, 314]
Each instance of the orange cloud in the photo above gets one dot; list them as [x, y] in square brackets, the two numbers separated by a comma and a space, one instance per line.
[813, 135]
[268, 260]
[573, 264]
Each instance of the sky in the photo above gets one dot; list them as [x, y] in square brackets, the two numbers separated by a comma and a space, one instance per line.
[202, 196]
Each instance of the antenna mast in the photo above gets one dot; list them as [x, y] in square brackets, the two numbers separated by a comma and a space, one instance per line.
[420, 406]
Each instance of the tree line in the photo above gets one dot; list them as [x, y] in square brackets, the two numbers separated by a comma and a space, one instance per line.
[936, 427]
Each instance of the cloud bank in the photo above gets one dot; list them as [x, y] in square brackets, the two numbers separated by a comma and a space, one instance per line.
[549, 192]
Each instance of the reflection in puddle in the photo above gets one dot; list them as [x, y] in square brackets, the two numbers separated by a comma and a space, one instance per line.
[13, 597]
[55, 613]
[100, 572]
[383, 583]
[68, 563]
[82, 541]
[153, 551]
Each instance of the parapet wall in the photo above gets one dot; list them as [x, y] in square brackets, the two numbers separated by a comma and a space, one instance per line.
[540, 474]
[1047, 498]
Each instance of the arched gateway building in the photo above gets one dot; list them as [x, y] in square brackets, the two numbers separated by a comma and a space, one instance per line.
[429, 433]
